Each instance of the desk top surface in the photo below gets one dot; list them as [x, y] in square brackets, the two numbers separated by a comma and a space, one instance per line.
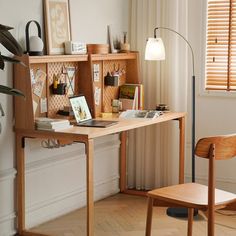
[81, 134]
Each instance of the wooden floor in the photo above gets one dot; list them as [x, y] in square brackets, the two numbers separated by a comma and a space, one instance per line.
[125, 215]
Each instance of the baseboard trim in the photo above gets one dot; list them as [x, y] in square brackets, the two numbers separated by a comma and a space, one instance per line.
[76, 192]
[69, 156]
[7, 224]
[7, 174]
[67, 202]
[8, 217]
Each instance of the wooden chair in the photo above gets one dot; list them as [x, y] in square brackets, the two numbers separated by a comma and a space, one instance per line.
[194, 195]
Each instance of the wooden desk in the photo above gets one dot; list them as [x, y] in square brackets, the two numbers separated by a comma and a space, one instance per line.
[87, 135]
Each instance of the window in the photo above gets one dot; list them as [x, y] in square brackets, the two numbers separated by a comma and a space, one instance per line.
[221, 45]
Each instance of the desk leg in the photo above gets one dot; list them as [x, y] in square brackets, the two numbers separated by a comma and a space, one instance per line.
[181, 148]
[123, 183]
[20, 160]
[89, 147]
[179, 211]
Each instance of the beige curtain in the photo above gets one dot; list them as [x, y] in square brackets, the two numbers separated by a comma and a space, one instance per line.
[153, 151]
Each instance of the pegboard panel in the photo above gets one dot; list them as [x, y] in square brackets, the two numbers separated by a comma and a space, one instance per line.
[110, 92]
[57, 102]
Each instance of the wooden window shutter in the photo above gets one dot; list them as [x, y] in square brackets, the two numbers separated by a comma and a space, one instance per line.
[221, 45]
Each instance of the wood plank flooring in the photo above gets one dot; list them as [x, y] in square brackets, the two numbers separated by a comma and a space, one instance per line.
[125, 215]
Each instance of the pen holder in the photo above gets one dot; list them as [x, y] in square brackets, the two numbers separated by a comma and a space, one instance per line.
[60, 90]
[111, 80]
[125, 47]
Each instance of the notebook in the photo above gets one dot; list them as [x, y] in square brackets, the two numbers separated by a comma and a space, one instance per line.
[83, 116]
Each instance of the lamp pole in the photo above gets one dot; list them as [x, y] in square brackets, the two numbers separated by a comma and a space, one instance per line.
[181, 212]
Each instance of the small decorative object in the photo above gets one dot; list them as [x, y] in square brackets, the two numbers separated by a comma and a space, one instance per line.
[70, 71]
[162, 107]
[125, 47]
[75, 48]
[98, 48]
[34, 44]
[115, 105]
[67, 111]
[57, 22]
[111, 40]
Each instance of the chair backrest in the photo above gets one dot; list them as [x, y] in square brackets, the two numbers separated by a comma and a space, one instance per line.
[215, 148]
[225, 147]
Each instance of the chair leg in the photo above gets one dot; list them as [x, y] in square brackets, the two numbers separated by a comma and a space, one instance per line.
[190, 221]
[149, 217]
[211, 222]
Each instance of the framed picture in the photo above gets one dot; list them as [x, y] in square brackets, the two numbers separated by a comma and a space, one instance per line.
[57, 25]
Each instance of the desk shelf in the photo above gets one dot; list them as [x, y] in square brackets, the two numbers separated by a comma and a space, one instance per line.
[26, 110]
[57, 58]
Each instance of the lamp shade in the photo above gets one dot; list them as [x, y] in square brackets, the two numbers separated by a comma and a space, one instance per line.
[155, 49]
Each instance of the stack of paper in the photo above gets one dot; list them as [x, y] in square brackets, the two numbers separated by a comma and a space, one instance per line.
[140, 114]
[44, 123]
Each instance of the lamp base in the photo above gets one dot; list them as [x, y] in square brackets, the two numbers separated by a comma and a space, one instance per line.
[179, 212]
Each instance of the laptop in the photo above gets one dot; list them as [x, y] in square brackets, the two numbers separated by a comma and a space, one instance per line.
[83, 116]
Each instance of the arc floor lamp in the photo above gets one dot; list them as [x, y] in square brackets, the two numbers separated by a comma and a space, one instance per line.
[155, 51]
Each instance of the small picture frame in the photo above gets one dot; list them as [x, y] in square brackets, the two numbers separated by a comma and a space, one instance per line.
[57, 25]
[111, 39]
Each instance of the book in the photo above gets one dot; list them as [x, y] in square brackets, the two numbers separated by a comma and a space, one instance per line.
[55, 129]
[131, 96]
[127, 91]
[45, 123]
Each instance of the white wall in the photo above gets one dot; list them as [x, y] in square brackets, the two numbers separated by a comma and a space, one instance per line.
[215, 114]
[55, 179]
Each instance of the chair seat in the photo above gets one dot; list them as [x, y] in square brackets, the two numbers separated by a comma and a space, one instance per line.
[191, 195]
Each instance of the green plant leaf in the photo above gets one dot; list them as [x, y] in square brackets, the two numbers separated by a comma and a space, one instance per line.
[10, 91]
[5, 27]
[10, 59]
[1, 63]
[9, 42]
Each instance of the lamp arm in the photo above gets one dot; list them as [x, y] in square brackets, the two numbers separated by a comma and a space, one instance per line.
[193, 97]
[182, 38]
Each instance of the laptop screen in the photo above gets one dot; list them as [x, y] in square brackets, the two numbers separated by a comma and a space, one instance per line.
[80, 108]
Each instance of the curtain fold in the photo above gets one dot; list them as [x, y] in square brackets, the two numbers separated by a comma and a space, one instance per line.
[153, 151]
